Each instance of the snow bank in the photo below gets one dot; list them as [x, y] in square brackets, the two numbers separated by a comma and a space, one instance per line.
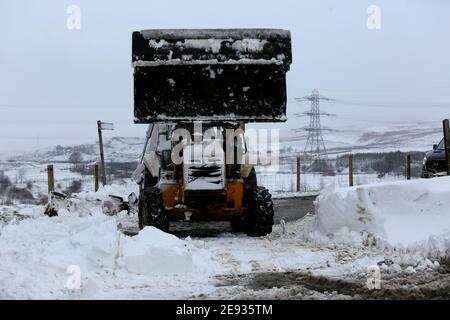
[105, 191]
[154, 252]
[38, 254]
[404, 214]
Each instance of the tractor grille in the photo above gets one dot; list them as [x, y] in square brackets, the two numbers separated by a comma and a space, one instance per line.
[204, 177]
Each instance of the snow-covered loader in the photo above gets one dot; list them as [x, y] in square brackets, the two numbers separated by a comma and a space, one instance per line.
[206, 84]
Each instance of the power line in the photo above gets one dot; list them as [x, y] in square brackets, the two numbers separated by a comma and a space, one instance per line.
[56, 122]
[45, 138]
[25, 106]
[422, 88]
[384, 104]
[390, 105]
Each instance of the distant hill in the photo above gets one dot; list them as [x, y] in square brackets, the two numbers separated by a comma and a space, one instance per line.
[358, 134]
[117, 149]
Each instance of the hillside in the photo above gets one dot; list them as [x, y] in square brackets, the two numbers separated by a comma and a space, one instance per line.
[117, 149]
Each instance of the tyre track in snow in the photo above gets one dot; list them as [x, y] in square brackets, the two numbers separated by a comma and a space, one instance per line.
[304, 285]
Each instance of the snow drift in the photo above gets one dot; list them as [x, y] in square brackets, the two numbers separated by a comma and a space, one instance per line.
[404, 214]
[37, 255]
[154, 252]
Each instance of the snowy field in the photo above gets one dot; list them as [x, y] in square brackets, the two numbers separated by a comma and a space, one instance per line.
[401, 228]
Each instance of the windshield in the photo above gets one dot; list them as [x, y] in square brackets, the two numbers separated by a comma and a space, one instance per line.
[441, 145]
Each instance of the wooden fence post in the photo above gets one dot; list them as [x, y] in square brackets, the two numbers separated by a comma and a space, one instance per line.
[50, 179]
[447, 144]
[102, 155]
[96, 176]
[408, 167]
[350, 170]
[298, 174]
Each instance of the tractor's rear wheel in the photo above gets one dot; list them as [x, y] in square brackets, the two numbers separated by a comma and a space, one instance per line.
[258, 214]
[151, 209]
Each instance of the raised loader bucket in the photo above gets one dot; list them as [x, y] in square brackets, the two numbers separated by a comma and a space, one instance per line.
[211, 75]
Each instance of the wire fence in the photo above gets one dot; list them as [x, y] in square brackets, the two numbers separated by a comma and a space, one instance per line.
[286, 179]
[292, 177]
[315, 182]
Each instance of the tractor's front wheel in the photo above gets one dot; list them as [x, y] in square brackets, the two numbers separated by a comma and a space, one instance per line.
[151, 209]
[258, 214]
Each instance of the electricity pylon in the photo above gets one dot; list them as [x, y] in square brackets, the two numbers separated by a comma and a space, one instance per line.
[315, 147]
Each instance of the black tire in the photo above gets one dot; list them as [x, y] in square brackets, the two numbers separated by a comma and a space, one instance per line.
[151, 209]
[237, 223]
[258, 213]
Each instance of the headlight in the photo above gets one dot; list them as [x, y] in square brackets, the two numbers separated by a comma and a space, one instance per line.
[424, 161]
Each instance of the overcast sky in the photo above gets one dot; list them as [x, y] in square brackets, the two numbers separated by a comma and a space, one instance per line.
[43, 63]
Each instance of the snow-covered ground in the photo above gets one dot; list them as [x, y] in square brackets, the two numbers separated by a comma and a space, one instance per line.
[150, 265]
[400, 227]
